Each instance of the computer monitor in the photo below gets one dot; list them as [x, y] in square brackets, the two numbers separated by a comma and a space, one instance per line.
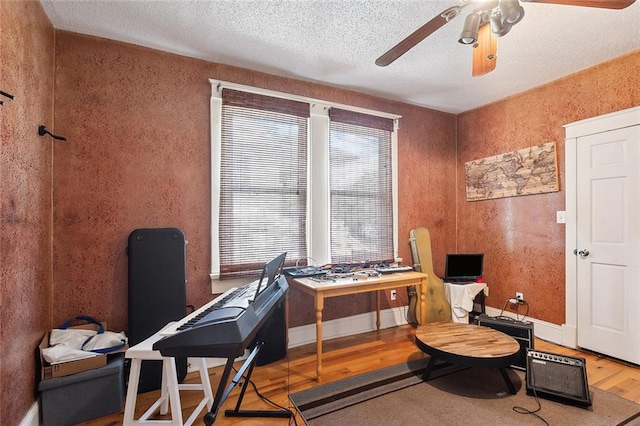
[463, 267]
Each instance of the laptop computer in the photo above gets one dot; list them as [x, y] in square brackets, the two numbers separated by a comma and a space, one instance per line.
[461, 268]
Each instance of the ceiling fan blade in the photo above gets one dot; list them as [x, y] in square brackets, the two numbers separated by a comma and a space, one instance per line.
[417, 36]
[603, 4]
[484, 52]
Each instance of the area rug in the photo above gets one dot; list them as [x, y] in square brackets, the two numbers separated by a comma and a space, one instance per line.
[452, 396]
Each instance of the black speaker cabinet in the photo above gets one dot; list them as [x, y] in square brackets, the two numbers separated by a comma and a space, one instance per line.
[274, 335]
[157, 292]
[558, 377]
[521, 331]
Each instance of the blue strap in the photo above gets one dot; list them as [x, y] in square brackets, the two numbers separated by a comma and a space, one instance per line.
[91, 320]
[103, 350]
[86, 318]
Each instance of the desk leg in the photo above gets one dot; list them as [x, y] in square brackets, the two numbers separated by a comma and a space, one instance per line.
[378, 310]
[319, 307]
[423, 301]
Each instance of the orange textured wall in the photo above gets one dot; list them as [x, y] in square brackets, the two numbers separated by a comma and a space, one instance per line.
[524, 246]
[137, 123]
[138, 155]
[26, 71]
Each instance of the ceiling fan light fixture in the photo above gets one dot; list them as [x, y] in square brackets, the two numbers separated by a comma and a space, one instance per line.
[511, 11]
[497, 26]
[469, 33]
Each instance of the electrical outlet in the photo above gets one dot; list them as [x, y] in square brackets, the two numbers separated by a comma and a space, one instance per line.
[519, 296]
[561, 217]
[394, 294]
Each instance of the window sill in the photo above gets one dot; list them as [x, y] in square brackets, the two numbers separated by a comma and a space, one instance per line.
[219, 286]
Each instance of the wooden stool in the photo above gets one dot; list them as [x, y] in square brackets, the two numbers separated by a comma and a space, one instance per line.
[169, 390]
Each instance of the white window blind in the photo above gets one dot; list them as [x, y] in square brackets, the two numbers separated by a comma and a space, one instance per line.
[361, 187]
[263, 181]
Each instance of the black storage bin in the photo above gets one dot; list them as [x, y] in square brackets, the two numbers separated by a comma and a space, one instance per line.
[83, 396]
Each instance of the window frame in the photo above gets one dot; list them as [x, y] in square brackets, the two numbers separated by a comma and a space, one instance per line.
[318, 223]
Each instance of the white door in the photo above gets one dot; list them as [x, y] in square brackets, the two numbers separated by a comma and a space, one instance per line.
[608, 243]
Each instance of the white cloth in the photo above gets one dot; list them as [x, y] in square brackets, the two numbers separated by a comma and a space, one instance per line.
[77, 343]
[460, 297]
[62, 353]
[105, 340]
[70, 337]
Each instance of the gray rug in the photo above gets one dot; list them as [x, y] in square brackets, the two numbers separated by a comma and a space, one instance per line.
[398, 396]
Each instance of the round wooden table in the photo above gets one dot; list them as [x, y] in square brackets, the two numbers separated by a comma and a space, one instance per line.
[467, 345]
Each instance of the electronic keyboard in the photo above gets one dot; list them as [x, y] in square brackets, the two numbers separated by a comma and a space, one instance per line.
[391, 269]
[224, 327]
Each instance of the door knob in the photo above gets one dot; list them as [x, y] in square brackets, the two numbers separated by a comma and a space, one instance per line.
[583, 253]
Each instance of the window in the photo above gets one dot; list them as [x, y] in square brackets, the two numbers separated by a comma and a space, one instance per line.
[361, 203]
[263, 183]
[299, 175]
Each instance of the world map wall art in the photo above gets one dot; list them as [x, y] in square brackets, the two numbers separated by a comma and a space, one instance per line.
[527, 171]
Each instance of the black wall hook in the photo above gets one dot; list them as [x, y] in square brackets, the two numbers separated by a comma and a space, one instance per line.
[42, 130]
[7, 95]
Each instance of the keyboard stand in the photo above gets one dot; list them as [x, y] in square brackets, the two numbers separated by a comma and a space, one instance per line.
[222, 394]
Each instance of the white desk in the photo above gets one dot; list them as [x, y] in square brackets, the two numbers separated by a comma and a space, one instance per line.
[325, 289]
[460, 297]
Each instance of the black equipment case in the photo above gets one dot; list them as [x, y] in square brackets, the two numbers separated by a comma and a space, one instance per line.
[157, 292]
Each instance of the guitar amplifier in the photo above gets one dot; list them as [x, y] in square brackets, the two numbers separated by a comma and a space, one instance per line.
[520, 330]
[558, 377]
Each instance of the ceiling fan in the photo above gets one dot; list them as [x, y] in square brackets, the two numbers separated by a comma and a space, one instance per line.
[491, 19]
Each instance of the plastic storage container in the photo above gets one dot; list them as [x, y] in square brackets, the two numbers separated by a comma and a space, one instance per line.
[83, 396]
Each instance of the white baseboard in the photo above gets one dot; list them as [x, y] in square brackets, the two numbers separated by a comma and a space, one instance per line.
[32, 418]
[341, 327]
[348, 326]
[541, 329]
[363, 323]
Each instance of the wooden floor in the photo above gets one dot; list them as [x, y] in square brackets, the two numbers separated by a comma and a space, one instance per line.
[353, 355]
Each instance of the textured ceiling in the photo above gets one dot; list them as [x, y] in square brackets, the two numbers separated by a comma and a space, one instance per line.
[337, 41]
